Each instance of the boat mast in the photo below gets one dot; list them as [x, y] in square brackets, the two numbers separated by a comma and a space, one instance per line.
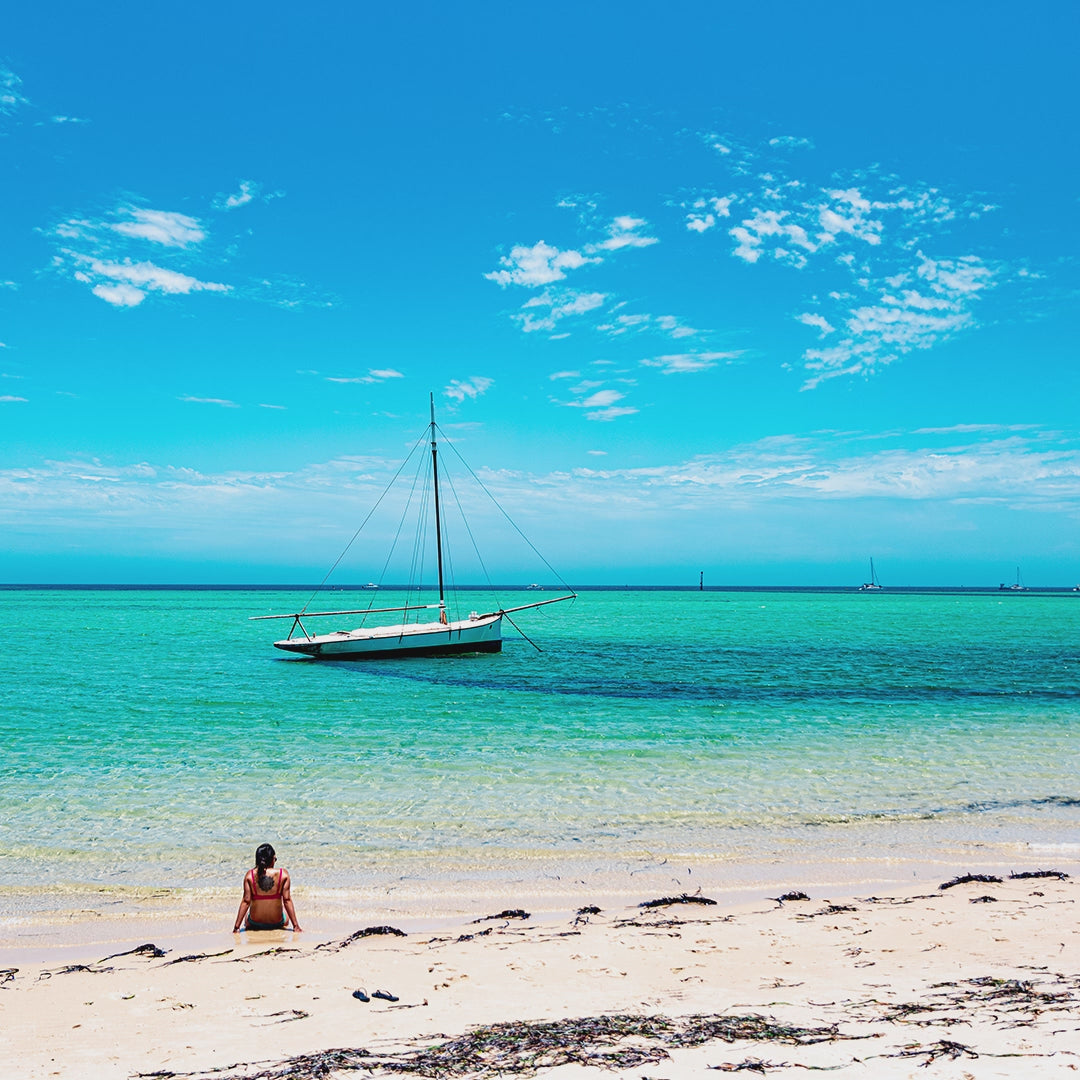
[435, 479]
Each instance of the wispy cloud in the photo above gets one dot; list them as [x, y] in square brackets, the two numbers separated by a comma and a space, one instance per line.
[460, 389]
[542, 265]
[222, 402]
[11, 398]
[599, 404]
[248, 191]
[683, 363]
[544, 311]
[158, 226]
[11, 95]
[97, 254]
[374, 375]
[873, 234]
[791, 142]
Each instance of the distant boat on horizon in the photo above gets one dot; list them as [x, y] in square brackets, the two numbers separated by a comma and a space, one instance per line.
[873, 584]
[1017, 586]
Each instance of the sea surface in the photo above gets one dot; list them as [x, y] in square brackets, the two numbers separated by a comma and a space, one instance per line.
[154, 737]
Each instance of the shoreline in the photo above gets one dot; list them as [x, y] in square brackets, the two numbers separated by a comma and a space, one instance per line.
[981, 973]
[73, 921]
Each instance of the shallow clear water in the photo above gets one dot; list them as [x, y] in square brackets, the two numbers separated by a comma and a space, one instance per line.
[155, 737]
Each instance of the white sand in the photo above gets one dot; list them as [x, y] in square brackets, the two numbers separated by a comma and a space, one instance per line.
[799, 963]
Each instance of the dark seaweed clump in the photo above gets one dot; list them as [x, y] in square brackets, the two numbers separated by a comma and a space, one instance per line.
[966, 879]
[664, 901]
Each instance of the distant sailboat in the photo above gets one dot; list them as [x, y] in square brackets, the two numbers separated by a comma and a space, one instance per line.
[1017, 586]
[873, 584]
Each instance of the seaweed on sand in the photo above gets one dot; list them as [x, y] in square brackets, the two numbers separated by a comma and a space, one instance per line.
[685, 898]
[965, 879]
[368, 931]
[1038, 874]
[149, 949]
[522, 1048]
[194, 958]
[509, 913]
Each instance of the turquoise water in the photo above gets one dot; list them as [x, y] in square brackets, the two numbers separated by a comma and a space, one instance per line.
[154, 737]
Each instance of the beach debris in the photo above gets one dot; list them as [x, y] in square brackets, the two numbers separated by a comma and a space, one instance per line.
[469, 937]
[360, 995]
[589, 909]
[509, 913]
[91, 969]
[522, 1048]
[265, 952]
[7, 975]
[1024, 874]
[749, 1065]
[788, 896]
[966, 879]
[829, 909]
[943, 1048]
[193, 958]
[685, 898]
[288, 1015]
[984, 900]
[368, 931]
[385, 995]
[149, 949]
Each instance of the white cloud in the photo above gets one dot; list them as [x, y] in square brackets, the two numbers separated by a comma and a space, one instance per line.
[819, 321]
[874, 230]
[97, 254]
[223, 402]
[159, 227]
[11, 397]
[374, 375]
[683, 363]
[540, 264]
[543, 265]
[125, 284]
[558, 304]
[249, 190]
[263, 405]
[471, 388]
[122, 295]
[611, 413]
[565, 375]
[11, 97]
[624, 231]
[667, 324]
[791, 142]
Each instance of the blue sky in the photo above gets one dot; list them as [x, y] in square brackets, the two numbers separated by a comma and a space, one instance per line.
[760, 290]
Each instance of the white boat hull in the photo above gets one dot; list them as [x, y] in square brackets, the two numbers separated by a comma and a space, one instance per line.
[414, 639]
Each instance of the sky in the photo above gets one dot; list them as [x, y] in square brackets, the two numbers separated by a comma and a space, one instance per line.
[759, 291]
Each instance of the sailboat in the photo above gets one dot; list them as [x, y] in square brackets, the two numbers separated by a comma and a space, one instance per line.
[481, 632]
[1017, 586]
[873, 584]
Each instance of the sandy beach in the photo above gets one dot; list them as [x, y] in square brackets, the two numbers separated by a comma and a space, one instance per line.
[979, 979]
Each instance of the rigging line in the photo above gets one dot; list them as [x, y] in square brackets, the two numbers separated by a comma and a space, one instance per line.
[472, 538]
[513, 524]
[401, 468]
[414, 583]
[401, 524]
[522, 632]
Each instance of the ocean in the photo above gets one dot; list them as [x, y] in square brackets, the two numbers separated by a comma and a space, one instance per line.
[152, 738]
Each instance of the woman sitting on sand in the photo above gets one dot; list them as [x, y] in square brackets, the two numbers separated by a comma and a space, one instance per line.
[265, 895]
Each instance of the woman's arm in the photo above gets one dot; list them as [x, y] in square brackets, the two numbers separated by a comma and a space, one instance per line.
[286, 899]
[245, 903]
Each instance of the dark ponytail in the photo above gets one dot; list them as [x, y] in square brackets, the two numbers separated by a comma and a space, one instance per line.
[264, 856]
